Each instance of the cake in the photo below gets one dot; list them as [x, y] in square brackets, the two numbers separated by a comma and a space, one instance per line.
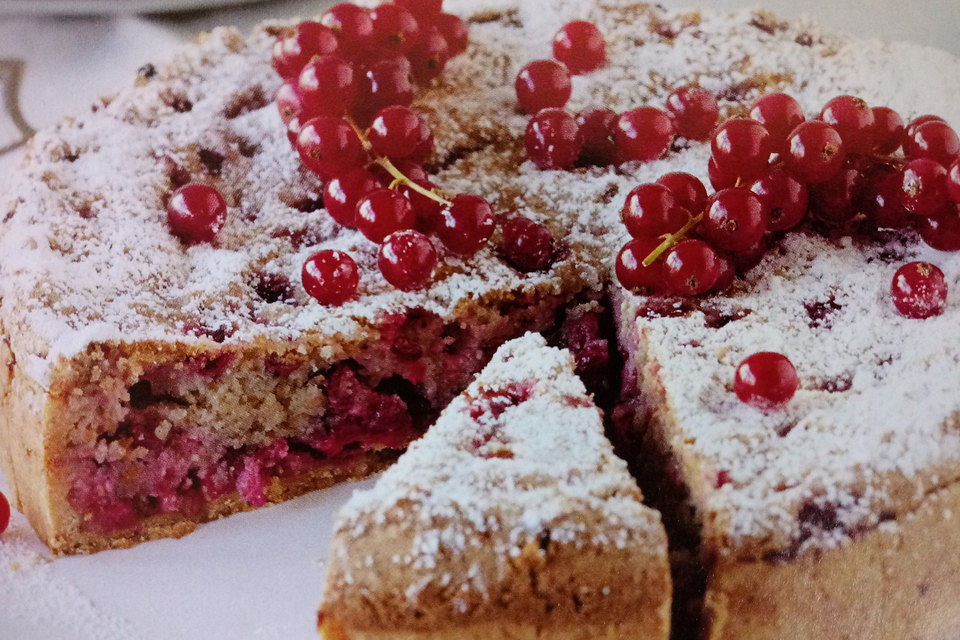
[511, 518]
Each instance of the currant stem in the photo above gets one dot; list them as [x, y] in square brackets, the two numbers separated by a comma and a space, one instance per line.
[672, 240]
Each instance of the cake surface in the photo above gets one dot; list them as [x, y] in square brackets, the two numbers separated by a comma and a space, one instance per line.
[511, 518]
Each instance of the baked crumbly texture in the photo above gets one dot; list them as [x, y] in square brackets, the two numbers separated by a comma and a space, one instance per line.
[512, 518]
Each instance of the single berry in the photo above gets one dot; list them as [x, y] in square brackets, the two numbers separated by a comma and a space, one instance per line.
[429, 58]
[853, 120]
[329, 145]
[726, 274]
[396, 132]
[651, 211]
[382, 212]
[735, 219]
[815, 152]
[888, 131]
[196, 213]
[343, 192]
[467, 225]
[407, 260]
[429, 211]
[309, 39]
[553, 139]
[742, 147]
[328, 86]
[695, 112]
[633, 275]
[924, 187]
[881, 198]
[687, 189]
[643, 134]
[352, 25]
[543, 84]
[953, 180]
[934, 140]
[598, 128]
[288, 101]
[720, 179]
[766, 381]
[836, 201]
[942, 231]
[580, 46]
[428, 9]
[691, 268]
[780, 114]
[4, 513]
[917, 122]
[455, 31]
[919, 290]
[386, 83]
[330, 277]
[784, 197]
[394, 29]
[527, 245]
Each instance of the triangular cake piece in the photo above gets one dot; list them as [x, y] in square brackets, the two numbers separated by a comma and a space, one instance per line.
[512, 518]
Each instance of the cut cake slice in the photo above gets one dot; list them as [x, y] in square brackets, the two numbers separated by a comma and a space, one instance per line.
[512, 518]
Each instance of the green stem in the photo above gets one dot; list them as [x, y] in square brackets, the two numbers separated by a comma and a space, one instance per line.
[671, 240]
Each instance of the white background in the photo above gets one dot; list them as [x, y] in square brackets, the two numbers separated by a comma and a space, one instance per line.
[254, 575]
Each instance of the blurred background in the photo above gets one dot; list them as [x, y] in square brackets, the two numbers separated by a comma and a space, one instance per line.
[71, 51]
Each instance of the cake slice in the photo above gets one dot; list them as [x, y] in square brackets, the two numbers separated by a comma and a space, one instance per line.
[512, 518]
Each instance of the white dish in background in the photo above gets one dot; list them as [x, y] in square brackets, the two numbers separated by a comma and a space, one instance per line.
[100, 7]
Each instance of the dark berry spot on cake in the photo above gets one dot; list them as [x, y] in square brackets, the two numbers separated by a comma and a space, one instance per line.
[246, 148]
[785, 429]
[804, 40]
[177, 102]
[147, 71]
[766, 22]
[608, 194]
[245, 102]
[723, 478]
[179, 175]
[85, 211]
[299, 237]
[211, 160]
[821, 311]
[839, 384]
[714, 318]
[817, 517]
[274, 287]
[493, 402]
[923, 589]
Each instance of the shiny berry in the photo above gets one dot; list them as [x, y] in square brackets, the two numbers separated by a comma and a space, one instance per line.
[836, 202]
[953, 180]
[429, 211]
[691, 268]
[687, 189]
[919, 290]
[934, 140]
[382, 212]
[309, 39]
[407, 260]
[352, 25]
[853, 120]
[543, 84]
[328, 86]
[881, 198]
[331, 277]
[726, 274]
[196, 213]
[742, 147]
[735, 219]
[429, 9]
[553, 139]
[467, 225]
[4, 513]
[815, 152]
[921, 120]
[343, 192]
[580, 46]
[329, 146]
[598, 128]
[780, 114]
[942, 231]
[651, 210]
[888, 131]
[720, 179]
[394, 29]
[429, 58]
[784, 197]
[766, 381]
[455, 31]
[695, 112]
[386, 83]
[631, 273]
[643, 134]
[924, 187]
[288, 101]
[527, 245]
[397, 131]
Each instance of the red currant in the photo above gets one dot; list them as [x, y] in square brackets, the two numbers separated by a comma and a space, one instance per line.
[720, 179]
[942, 231]
[744, 261]
[742, 147]
[382, 212]
[429, 58]
[643, 134]
[580, 46]
[543, 84]
[853, 120]
[917, 122]
[815, 152]
[527, 245]
[553, 139]
[4, 513]
[766, 381]
[934, 140]
[196, 213]
[288, 101]
[352, 25]
[394, 29]
[688, 191]
[784, 197]
[881, 198]
[780, 114]
[691, 268]
[888, 131]
[919, 290]
[695, 112]
[329, 146]
[342, 193]
[397, 131]
[598, 128]
[331, 277]
[384, 84]
[953, 180]
[467, 225]
[726, 273]
[651, 210]
[328, 86]
[735, 219]
[429, 211]
[428, 9]
[407, 260]
[455, 31]
[924, 187]
[309, 39]
[836, 201]
[633, 275]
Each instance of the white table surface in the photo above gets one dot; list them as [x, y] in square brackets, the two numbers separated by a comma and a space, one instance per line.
[254, 575]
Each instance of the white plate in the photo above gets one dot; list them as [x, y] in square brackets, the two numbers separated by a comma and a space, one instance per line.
[78, 7]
